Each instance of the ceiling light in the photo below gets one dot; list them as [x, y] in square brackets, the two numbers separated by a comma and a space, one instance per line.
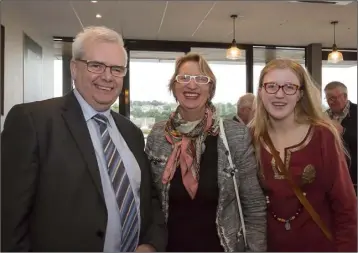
[335, 56]
[233, 53]
[93, 1]
[98, 16]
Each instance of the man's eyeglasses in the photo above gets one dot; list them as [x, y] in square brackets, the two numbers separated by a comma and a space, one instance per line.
[99, 68]
[200, 80]
[287, 88]
[333, 99]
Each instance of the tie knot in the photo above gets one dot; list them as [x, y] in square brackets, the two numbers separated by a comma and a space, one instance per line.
[100, 119]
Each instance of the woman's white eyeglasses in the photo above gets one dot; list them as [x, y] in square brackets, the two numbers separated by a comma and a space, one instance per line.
[200, 80]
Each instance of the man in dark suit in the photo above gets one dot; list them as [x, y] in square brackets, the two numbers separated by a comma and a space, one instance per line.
[344, 113]
[74, 173]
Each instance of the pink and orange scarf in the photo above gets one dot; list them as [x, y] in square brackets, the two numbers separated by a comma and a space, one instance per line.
[187, 139]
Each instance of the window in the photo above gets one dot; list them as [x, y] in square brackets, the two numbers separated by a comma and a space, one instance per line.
[115, 106]
[230, 79]
[345, 72]
[58, 89]
[262, 55]
[150, 99]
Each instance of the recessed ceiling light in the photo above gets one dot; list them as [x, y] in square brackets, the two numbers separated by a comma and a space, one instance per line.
[98, 16]
[93, 1]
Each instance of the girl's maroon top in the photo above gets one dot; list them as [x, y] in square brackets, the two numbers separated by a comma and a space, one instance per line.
[321, 171]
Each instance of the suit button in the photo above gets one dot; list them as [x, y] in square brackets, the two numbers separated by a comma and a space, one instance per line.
[100, 233]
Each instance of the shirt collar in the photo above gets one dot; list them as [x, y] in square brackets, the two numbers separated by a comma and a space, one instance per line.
[87, 109]
[341, 115]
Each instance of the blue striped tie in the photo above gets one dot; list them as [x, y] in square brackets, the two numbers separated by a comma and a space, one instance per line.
[122, 189]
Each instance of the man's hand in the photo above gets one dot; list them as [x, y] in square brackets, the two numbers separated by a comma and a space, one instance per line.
[145, 248]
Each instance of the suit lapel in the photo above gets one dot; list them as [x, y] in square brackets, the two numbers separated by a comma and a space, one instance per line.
[347, 120]
[76, 123]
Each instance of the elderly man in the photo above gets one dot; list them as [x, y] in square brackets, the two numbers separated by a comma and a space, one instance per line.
[245, 108]
[74, 173]
[344, 114]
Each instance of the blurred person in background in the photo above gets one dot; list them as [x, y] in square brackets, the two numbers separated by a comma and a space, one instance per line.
[244, 111]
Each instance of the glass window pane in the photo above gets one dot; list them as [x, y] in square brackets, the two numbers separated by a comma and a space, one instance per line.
[58, 89]
[115, 106]
[150, 99]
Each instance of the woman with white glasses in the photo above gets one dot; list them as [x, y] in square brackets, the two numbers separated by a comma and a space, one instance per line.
[205, 170]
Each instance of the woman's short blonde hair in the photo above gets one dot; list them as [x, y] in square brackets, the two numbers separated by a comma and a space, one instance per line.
[204, 69]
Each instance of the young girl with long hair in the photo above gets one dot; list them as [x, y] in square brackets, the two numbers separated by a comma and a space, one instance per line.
[303, 171]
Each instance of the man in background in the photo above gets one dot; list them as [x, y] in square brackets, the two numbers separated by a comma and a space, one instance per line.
[344, 114]
[245, 108]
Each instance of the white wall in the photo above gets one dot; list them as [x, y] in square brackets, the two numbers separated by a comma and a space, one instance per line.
[15, 26]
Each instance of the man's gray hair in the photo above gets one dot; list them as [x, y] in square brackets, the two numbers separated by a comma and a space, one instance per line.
[95, 33]
[245, 101]
[336, 84]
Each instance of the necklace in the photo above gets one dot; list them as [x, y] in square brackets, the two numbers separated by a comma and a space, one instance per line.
[287, 222]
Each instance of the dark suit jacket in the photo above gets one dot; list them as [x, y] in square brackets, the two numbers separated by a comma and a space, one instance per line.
[51, 193]
[349, 123]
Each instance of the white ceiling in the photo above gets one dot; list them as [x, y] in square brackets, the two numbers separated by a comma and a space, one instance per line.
[260, 22]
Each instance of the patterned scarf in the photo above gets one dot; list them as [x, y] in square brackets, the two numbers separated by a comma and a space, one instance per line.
[187, 139]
